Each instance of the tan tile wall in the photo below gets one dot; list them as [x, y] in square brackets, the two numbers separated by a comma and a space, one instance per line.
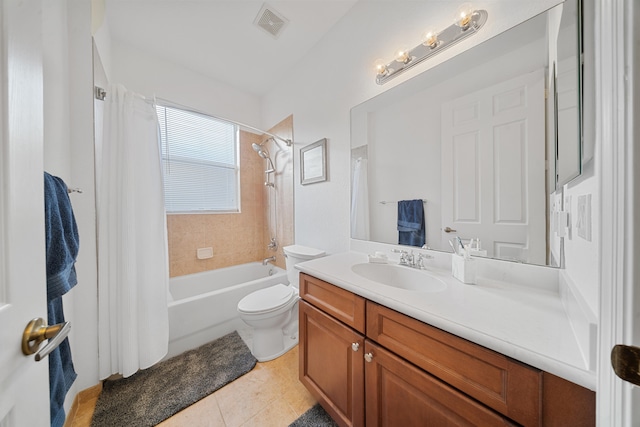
[283, 159]
[236, 238]
[242, 237]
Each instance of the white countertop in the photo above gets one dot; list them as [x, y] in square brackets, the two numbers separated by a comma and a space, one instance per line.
[525, 323]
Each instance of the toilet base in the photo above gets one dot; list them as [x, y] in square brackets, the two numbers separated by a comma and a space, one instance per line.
[287, 344]
[273, 335]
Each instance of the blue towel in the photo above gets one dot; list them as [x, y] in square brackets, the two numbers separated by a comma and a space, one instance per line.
[62, 244]
[411, 223]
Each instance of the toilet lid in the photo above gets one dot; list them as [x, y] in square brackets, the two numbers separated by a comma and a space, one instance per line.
[303, 252]
[267, 299]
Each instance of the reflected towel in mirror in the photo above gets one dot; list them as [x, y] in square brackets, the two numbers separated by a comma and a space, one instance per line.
[411, 223]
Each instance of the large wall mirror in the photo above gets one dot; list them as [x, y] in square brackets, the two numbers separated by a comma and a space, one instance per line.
[484, 139]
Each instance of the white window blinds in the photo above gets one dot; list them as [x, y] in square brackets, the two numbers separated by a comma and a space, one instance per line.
[200, 161]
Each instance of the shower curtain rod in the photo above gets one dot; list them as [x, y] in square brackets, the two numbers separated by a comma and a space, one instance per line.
[100, 94]
[168, 103]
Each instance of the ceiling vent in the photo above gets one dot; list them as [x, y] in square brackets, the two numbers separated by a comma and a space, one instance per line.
[270, 20]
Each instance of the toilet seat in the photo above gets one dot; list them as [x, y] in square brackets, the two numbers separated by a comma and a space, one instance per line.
[268, 299]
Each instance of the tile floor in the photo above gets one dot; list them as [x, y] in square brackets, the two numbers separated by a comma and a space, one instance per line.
[269, 395]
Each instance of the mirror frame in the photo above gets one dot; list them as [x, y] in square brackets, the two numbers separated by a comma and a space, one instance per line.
[560, 183]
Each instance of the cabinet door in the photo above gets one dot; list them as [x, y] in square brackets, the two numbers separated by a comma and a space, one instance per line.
[503, 384]
[399, 394]
[332, 365]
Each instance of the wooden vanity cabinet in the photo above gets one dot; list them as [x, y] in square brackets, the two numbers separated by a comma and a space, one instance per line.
[370, 365]
[331, 349]
[501, 383]
[400, 394]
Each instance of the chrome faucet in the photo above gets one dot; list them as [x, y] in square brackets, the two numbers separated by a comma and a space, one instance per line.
[406, 258]
[410, 260]
[266, 260]
[419, 263]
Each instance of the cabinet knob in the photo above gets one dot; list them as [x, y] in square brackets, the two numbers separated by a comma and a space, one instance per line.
[368, 357]
[355, 346]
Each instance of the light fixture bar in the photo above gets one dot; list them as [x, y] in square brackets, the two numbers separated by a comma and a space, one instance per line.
[444, 39]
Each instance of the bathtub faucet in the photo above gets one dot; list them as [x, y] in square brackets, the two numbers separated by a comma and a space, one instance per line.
[266, 260]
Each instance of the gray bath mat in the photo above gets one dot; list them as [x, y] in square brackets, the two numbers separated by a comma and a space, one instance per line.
[314, 417]
[153, 395]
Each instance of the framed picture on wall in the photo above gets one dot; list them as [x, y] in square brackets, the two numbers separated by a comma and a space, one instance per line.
[313, 162]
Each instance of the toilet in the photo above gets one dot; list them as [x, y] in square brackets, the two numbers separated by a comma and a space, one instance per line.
[273, 312]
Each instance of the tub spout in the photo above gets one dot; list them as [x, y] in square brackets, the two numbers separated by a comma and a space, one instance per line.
[266, 260]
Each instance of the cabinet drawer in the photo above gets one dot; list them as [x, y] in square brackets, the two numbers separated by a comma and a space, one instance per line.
[399, 394]
[337, 302]
[509, 387]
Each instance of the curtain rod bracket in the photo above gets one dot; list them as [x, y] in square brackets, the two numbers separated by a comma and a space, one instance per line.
[100, 94]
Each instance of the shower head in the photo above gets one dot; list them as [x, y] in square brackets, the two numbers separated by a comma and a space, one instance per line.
[262, 151]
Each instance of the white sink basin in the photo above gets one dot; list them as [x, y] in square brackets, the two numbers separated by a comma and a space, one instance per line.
[400, 277]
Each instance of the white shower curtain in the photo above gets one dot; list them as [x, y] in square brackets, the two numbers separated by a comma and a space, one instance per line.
[133, 274]
[360, 200]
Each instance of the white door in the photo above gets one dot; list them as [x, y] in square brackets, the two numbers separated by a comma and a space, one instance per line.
[24, 385]
[493, 163]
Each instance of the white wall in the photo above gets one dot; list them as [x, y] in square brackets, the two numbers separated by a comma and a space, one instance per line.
[582, 259]
[151, 76]
[338, 74]
[57, 144]
[82, 175]
[57, 147]
[101, 34]
[68, 151]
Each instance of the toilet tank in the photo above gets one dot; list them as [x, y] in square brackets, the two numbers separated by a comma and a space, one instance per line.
[296, 253]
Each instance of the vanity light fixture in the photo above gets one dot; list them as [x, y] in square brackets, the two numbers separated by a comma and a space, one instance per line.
[463, 15]
[467, 22]
[381, 67]
[430, 38]
[403, 56]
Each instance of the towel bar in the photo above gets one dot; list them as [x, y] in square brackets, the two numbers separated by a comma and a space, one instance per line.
[385, 202]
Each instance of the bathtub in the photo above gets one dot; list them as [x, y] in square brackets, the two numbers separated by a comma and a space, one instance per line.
[204, 305]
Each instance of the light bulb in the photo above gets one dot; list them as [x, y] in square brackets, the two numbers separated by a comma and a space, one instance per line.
[430, 38]
[403, 56]
[463, 15]
[381, 67]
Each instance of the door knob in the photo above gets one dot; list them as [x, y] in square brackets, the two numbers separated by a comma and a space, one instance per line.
[38, 331]
[626, 363]
[368, 357]
[355, 346]
[449, 230]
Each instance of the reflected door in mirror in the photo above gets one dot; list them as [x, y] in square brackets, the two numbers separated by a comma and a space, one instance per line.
[493, 168]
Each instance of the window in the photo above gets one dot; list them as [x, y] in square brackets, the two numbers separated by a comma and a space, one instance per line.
[200, 160]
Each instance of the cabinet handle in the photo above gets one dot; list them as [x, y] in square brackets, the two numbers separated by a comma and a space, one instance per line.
[368, 357]
[355, 346]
